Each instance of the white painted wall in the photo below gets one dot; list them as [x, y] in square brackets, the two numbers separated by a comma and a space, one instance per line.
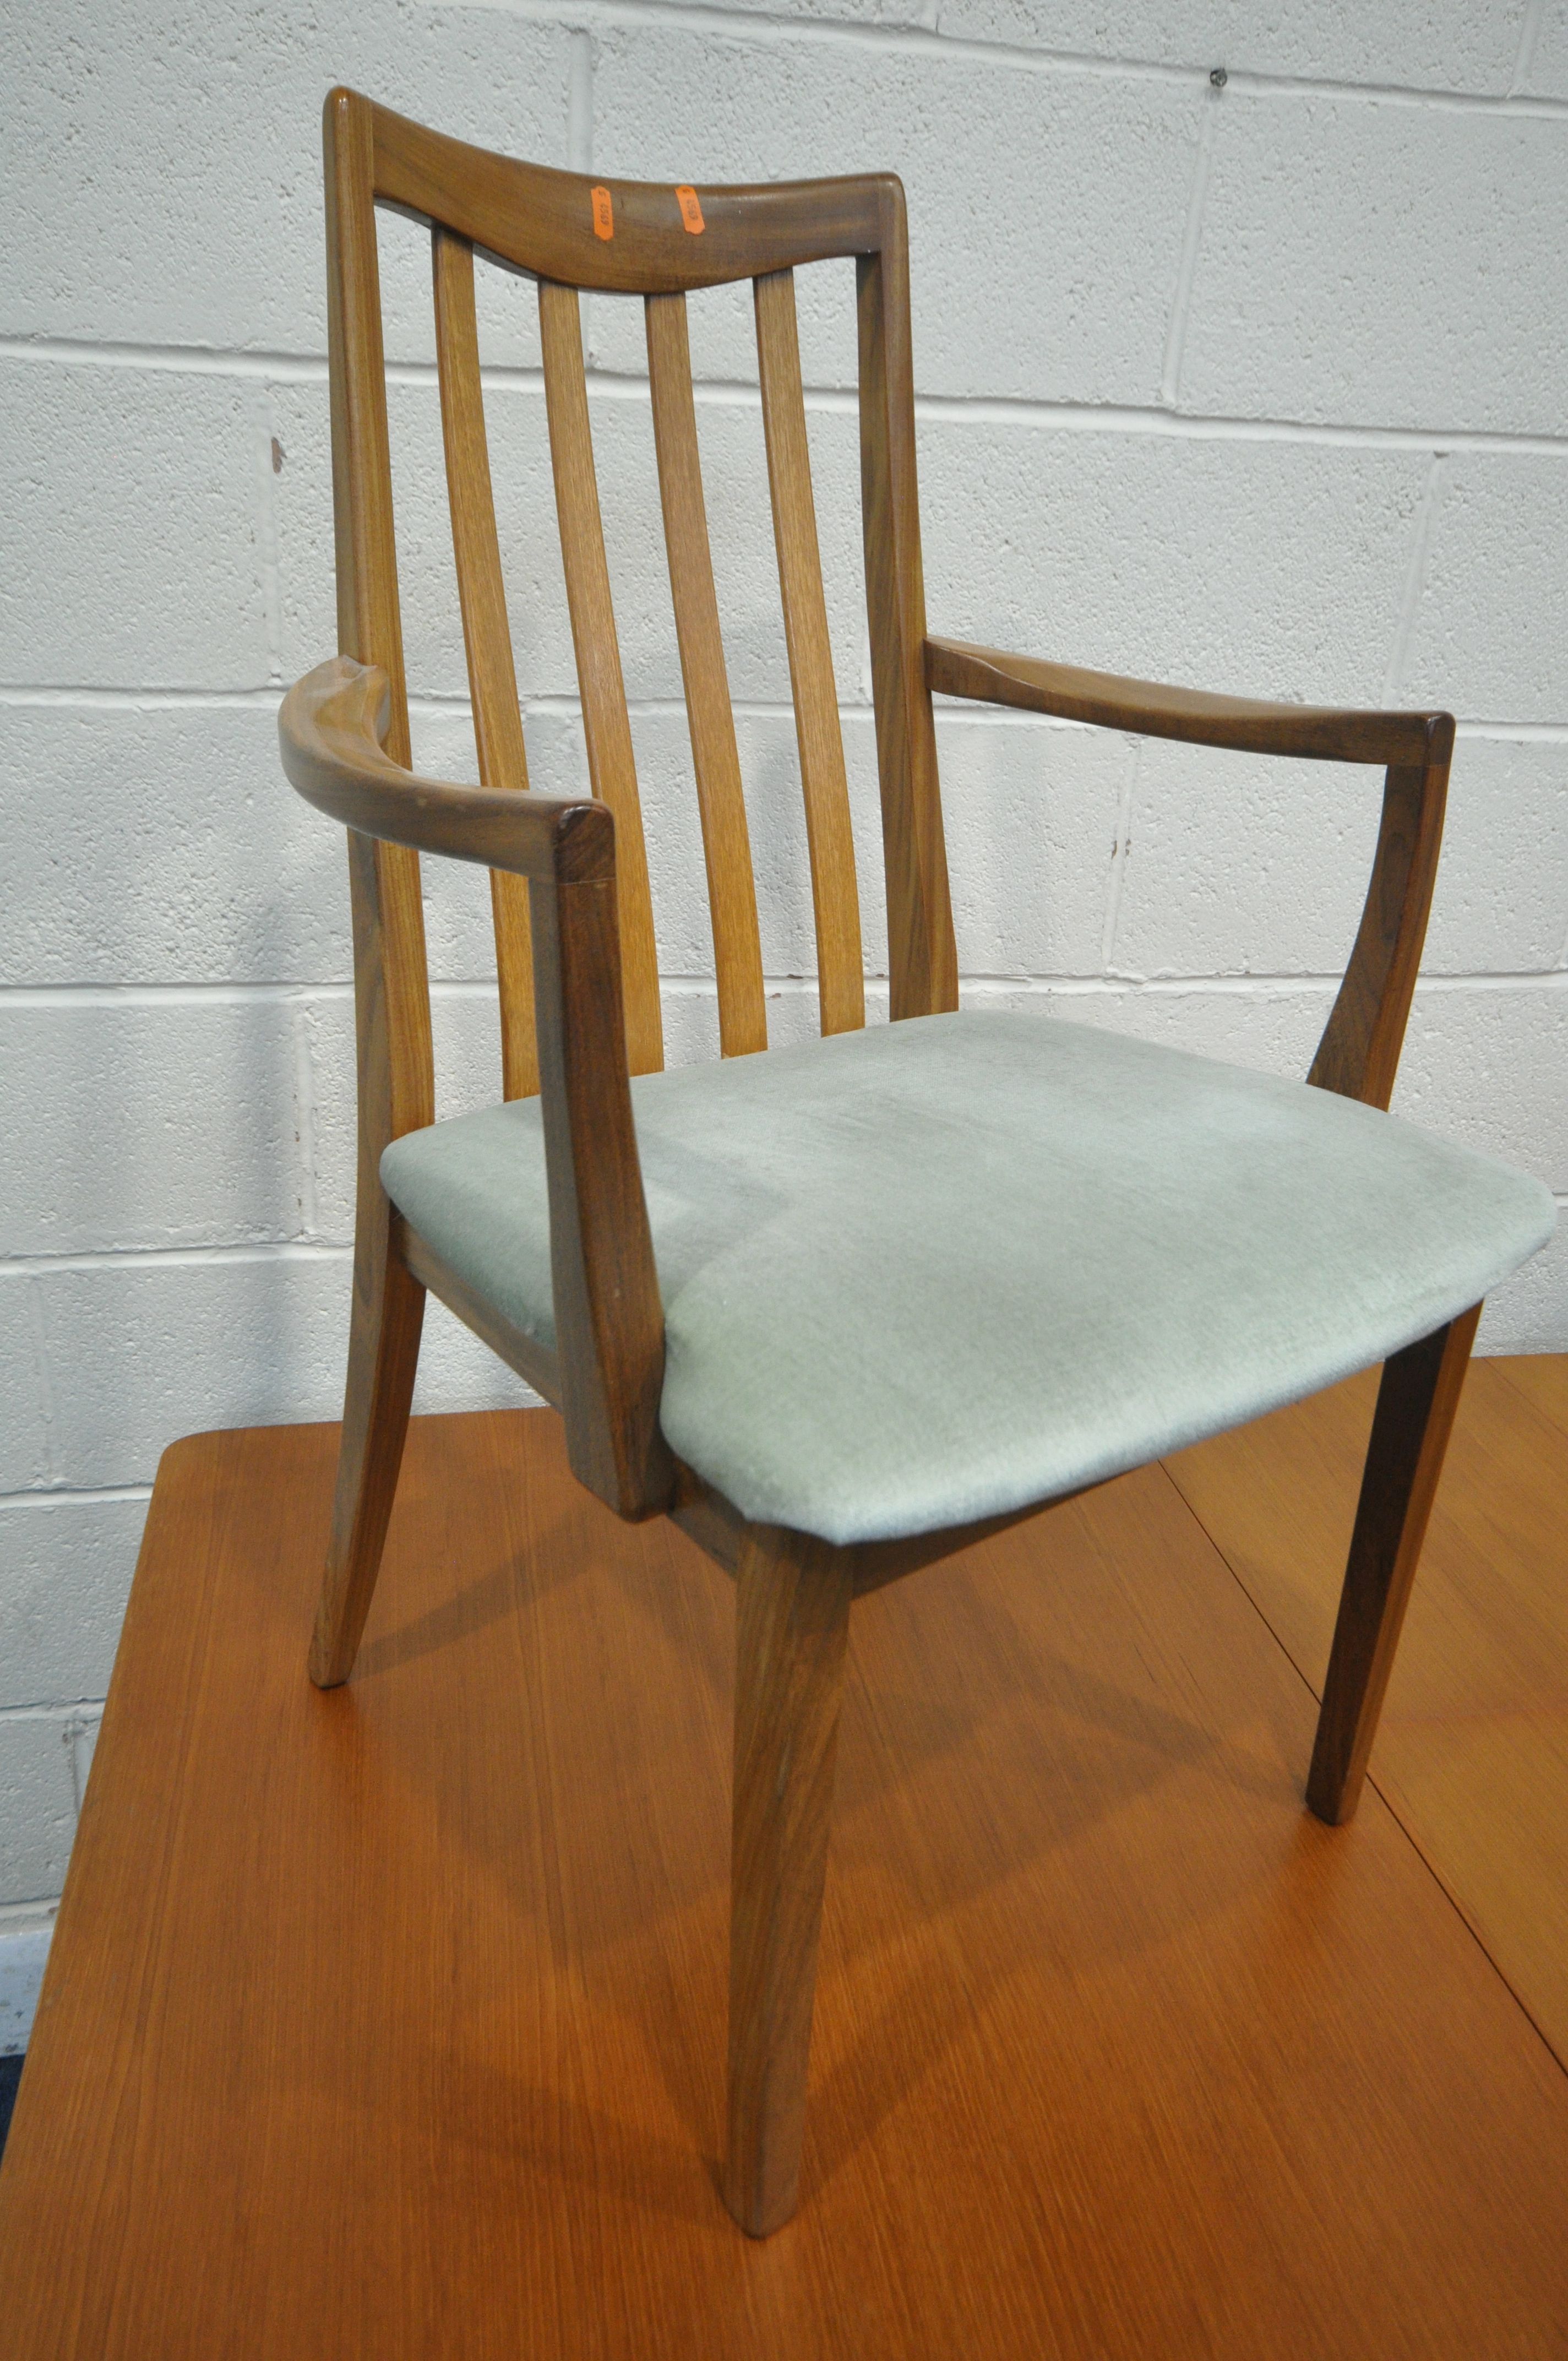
[1264, 388]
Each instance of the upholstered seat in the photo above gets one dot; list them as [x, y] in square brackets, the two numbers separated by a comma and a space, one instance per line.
[936, 1270]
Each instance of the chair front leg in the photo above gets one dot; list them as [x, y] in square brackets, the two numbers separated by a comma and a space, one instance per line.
[1415, 1402]
[792, 1623]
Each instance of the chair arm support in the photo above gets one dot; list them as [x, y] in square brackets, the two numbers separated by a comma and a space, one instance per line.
[610, 1321]
[1250, 725]
[1359, 1053]
[610, 1316]
[330, 727]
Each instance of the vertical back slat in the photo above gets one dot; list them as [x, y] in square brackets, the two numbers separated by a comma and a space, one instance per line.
[486, 635]
[612, 770]
[731, 890]
[840, 973]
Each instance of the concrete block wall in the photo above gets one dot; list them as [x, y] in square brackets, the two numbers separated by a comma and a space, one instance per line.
[1261, 386]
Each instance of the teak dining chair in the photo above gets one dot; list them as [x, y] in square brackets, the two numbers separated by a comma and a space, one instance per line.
[841, 1309]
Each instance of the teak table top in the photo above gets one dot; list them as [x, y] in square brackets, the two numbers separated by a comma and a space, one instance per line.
[390, 2022]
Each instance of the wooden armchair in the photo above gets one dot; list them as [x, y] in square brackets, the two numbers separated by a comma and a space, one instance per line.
[837, 1310]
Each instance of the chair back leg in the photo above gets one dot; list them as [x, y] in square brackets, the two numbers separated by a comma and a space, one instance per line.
[383, 1353]
[792, 1624]
[1415, 1402]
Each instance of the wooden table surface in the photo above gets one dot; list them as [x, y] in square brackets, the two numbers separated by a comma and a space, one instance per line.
[390, 2022]
[1472, 1752]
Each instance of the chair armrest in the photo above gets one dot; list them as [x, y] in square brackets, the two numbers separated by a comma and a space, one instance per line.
[330, 727]
[1250, 725]
[608, 1319]
[1359, 1052]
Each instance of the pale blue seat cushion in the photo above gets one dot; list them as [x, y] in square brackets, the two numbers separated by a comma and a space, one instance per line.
[939, 1269]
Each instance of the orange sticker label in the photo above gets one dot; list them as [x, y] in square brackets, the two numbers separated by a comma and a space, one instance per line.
[603, 214]
[691, 212]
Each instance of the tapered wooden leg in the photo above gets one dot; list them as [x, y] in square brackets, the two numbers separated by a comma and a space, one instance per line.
[383, 1353]
[792, 1619]
[1415, 1403]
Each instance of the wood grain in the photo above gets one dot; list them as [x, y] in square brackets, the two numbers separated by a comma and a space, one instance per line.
[1473, 1747]
[1417, 1398]
[541, 221]
[792, 1626]
[611, 769]
[726, 843]
[923, 961]
[664, 241]
[610, 1320]
[594, 964]
[396, 1080]
[533, 1363]
[383, 877]
[717, 1527]
[387, 2023]
[386, 1321]
[330, 729]
[1543, 1379]
[486, 633]
[1359, 1053]
[1251, 725]
[841, 966]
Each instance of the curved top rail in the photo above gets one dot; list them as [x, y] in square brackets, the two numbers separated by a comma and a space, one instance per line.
[630, 237]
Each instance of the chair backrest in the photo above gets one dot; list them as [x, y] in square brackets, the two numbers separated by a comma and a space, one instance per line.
[630, 237]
